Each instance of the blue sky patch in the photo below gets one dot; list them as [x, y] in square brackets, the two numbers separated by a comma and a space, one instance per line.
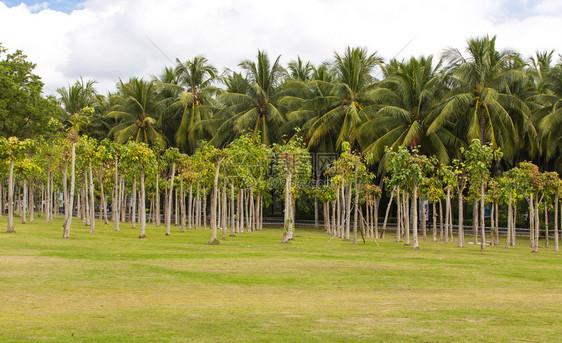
[65, 6]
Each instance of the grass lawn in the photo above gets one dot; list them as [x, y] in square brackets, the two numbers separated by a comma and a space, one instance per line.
[112, 286]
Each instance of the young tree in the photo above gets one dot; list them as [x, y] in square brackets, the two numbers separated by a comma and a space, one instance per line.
[12, 149]
[479, 159]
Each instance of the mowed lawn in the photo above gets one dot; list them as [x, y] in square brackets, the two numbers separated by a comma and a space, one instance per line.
[111, 286]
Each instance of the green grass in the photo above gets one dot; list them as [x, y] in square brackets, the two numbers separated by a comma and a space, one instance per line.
[112, 286]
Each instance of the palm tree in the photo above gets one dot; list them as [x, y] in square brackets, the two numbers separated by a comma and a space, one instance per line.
[479, 98]
[137, 109]
[189, 86]
[407, 97]
[347, 99]
[251, 102]
[549, 116]
[81, 94]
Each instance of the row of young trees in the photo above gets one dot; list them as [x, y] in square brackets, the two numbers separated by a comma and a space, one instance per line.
[241, 178]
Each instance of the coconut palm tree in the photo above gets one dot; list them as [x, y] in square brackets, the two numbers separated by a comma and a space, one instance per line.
[251, 102]
[346, 100]
[191, 94]
[479, 99]
[137, 109]
[407, 96]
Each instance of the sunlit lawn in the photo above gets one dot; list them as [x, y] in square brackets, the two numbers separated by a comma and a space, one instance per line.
[112, 286]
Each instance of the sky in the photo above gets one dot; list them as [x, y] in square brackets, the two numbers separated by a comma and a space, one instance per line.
[108, 40]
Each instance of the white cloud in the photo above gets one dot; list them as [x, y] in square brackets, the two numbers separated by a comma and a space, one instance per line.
[107, 40]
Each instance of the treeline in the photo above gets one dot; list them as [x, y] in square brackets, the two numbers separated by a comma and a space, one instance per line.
[433, 108]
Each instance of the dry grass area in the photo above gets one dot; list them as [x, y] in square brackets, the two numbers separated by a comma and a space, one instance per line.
[112, 286]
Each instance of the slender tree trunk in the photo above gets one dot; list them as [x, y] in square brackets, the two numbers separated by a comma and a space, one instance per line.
[190, 207]
[92, 206]
[482, 221]
[326, 211]
[447, 213]
[545, 224]
[32, 201]
[169, 202]
[492, 224]
[48, 196]
[387, 212]
[232, 216]
[461, 220]
[288, 208]
[556, 204]
[415, 217]
[68, 219]
[134, 204]
[356, 210]
[182, 204]
[142, 206]
[398, 215]
[157, 208]
[214, 199]
[509, 221]
[475, 219]
[407, 221]
[24, 203]
[224, 207]
[204, 207]
[441, 220]
[537, 226]
[434, 215]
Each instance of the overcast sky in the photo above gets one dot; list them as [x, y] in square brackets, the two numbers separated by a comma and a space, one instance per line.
[110, 39]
